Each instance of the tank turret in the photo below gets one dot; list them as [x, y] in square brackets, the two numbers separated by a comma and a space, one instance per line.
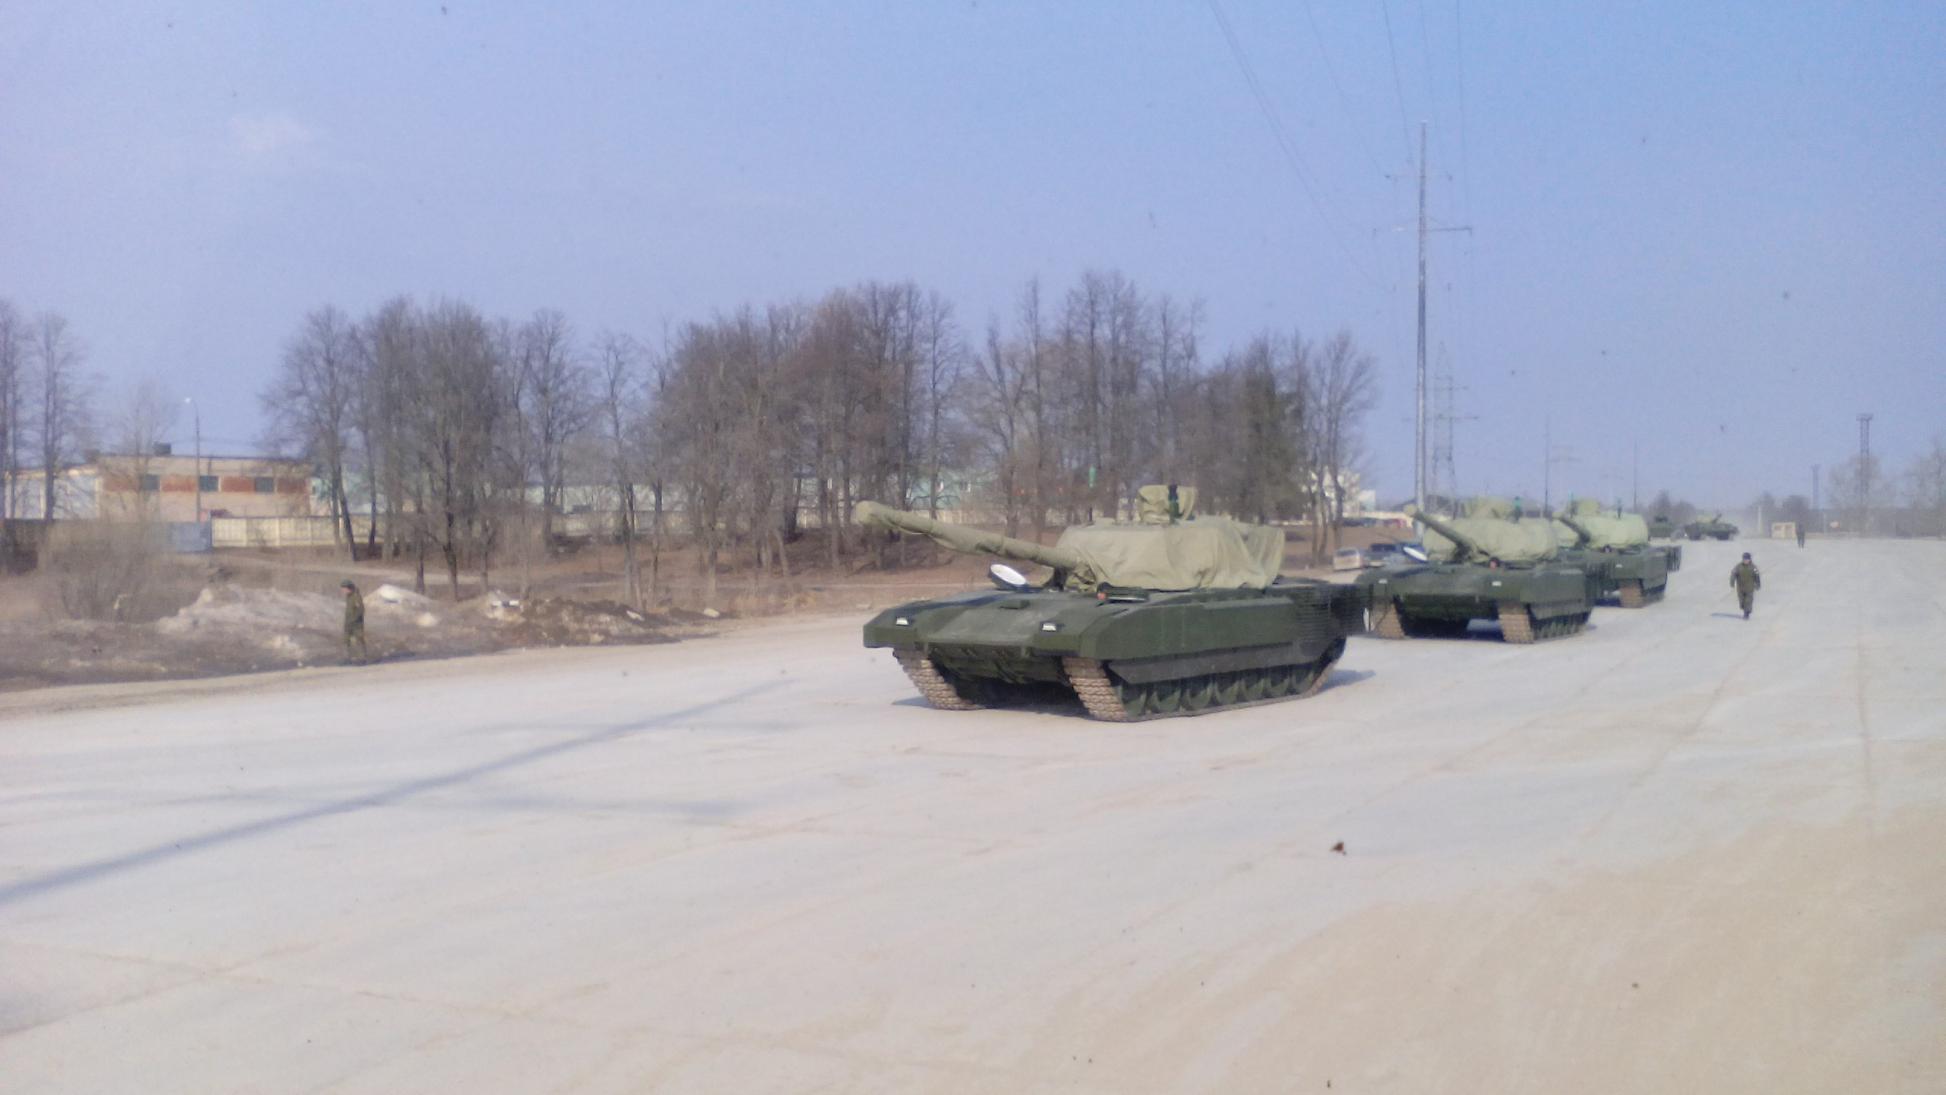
[1154, 552]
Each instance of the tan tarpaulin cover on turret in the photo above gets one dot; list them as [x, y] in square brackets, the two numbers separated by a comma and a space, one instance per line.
[1626, 531]
[1487, 505]
[1152, 504]
[1207, 553]
[1530, 541]
[1563, 535]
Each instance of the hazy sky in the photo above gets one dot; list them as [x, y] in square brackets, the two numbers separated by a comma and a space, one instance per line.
[1718, 234]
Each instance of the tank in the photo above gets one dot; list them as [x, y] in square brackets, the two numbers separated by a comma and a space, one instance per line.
[1614, 549]
[1481, 568]
[1716, 528]
[1661, 527]
[1167, 615]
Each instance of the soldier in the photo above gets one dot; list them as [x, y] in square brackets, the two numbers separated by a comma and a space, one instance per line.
[1746, 581]
[1800, 534]
[355, 621]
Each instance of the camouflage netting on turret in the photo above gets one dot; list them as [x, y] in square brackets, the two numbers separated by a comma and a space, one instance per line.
[1487, 505]
[1526, 542]
[1207, 553]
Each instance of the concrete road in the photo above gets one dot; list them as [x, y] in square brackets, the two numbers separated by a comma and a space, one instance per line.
[1681, 852]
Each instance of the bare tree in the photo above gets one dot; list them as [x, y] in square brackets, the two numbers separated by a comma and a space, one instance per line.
[15, 354]
[555, 403]
[62, 406]
[619, 383]
[1858, 487]
[144, 421]
[1926, 484]
[1343, 390]
[312, 403]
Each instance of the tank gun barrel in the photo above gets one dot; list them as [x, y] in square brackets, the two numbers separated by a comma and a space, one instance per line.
[1464, 542]
[1574, 524]
[971, 541]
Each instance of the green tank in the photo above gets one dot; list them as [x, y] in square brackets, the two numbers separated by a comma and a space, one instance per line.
[1661, 527]
[1167, 615]
[1481, 568]
[1614, 549]
[1716, 528]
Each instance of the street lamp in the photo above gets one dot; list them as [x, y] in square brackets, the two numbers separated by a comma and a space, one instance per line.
[197, 414]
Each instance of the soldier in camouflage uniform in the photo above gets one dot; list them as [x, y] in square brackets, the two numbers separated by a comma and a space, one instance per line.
[1746, 580]
[354, 621]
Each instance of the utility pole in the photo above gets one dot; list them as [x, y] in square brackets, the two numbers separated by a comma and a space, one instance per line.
[1419, 433]
[1864, 472]
[1635, 476]
[1815, 480]
[197, 414]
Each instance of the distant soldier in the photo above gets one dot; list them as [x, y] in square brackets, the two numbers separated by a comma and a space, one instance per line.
[1746, 581]
[1800, 534]
[355, 621]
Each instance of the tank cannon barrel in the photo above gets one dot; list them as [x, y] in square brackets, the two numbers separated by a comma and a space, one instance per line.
[1574, 524]
[1465, 543]
[971, 541]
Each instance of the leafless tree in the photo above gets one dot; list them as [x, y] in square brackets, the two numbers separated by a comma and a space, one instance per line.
[312, 403]
[619, 384]
[1343, 389]
[62, 400]
[555, 403]
[1926, 486]
[143, 422]
[1858, 487]
[15, 354]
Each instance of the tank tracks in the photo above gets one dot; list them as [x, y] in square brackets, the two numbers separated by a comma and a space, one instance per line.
[931, 683]
[1517, 625]
[1632, 595]
[1107, 702]
[1387, 621]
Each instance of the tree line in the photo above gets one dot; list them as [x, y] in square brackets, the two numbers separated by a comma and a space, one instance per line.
[737, 434]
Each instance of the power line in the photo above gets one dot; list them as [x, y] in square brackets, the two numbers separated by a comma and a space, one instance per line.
[1398, 86]
[1284, 141]
[1344, 101]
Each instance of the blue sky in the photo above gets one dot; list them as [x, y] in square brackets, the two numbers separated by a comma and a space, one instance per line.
[1713, 236]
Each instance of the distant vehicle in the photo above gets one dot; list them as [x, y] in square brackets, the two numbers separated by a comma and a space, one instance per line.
[1390, 551]
[1348, 558]
[1716, 528]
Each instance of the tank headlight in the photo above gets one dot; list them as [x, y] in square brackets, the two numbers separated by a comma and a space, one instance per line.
[1050, 626]
[902, 621]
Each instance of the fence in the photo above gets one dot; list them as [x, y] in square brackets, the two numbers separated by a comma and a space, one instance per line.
[284, 532]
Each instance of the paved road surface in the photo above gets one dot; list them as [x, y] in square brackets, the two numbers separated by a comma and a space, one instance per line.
[1679, 853]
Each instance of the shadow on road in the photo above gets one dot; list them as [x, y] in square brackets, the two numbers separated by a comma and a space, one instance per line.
[36, 885]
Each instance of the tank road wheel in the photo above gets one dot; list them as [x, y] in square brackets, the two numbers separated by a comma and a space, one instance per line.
[1279, 680]
[1321, 669]
[1199, 693]
[1516, 624]
[938, 688]
[1252, 684]
[1229, 689]
[1165, 697]
[1387, 621]
[1631, 594]
[1098, 692]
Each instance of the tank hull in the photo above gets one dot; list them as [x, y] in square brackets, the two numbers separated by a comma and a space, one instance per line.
[1439, 600]
[1125, 657]
[1632, 578]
